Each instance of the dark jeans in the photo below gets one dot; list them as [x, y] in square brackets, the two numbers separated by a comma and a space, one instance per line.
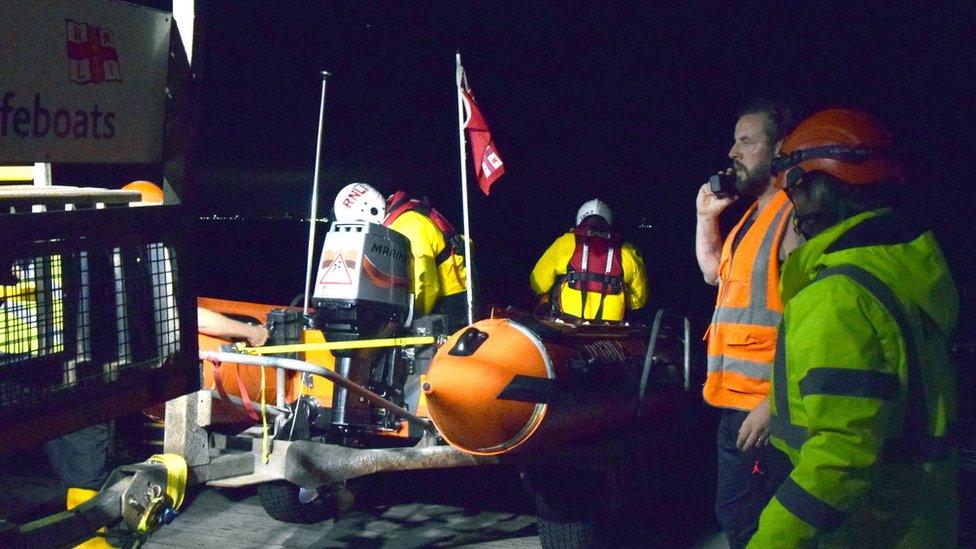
[746, 480]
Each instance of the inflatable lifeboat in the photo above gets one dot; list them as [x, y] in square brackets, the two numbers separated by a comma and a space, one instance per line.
[522, 384]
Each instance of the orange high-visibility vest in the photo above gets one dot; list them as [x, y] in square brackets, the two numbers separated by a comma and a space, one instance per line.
[742, 335]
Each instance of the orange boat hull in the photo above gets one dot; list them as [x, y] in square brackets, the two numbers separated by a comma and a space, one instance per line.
[234, 378]
[524, 384]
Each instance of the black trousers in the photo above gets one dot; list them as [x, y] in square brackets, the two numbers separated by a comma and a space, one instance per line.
[746, 480]
[455, 309]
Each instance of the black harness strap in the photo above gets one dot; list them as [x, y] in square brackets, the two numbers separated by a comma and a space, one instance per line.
[580, 279]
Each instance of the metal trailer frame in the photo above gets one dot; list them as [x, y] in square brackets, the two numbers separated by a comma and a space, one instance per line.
[92, 375]
[225, 461]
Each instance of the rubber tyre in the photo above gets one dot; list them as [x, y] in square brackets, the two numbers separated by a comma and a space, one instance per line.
[565, 535]
[280, 501]
[566, 503]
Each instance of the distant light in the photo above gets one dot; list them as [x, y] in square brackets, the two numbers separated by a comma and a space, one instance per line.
[267, 217]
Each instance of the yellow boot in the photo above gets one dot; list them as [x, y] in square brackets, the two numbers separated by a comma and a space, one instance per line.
[77, 496]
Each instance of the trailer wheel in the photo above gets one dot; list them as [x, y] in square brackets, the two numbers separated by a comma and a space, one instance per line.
[281, 501]
[566, 501]
[565, 535]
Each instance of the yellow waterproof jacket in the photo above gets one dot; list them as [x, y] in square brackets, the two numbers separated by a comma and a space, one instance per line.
[552, 267]
[432, 279]
[863, 393]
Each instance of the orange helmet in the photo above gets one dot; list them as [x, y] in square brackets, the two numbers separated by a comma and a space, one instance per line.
[151, 193]
[844, 143]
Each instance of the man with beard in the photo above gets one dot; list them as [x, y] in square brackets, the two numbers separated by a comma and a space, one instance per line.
[742, 336]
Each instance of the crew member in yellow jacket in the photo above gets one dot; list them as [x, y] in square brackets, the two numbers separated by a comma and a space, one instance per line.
[439, 274]
[591, 265]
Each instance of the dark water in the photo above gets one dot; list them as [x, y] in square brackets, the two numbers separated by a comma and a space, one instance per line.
[262, 257]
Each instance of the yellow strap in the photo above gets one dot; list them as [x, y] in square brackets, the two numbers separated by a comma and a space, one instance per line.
[176, 473]
[264, 421]
[77, 496]
[149, 521]
[337, 345]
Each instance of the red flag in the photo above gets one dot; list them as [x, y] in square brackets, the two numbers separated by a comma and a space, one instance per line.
[488, 165]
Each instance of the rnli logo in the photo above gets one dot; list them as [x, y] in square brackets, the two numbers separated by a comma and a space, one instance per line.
[92, 57]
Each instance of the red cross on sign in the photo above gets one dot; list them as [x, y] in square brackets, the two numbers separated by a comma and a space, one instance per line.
[91, 54]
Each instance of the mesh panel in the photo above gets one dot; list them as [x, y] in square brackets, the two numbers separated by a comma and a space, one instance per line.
[74, 316]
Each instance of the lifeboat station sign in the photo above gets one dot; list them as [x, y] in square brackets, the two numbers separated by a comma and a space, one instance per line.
[82, 81]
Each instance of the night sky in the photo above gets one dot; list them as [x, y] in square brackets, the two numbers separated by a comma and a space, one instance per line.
[634, 105]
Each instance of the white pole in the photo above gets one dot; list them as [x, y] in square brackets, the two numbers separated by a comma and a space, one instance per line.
[459, 76]
[314, 210]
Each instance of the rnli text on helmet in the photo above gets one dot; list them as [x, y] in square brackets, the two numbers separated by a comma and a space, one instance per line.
[357, 191]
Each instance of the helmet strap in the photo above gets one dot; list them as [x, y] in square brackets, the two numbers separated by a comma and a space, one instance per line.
[856, 155]
[813, 223]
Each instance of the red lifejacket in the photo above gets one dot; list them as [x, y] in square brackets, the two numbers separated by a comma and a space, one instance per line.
[595, 265]
[399, 203]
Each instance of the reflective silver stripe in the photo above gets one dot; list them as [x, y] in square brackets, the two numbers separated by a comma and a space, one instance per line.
[758, 311]
[748, 368]
[849, 383]
[747, 315]
[807, 507]
[760, 267]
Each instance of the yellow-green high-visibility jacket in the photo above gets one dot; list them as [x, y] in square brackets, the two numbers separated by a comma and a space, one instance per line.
[863, 393]
[18, 319]
[432, 279]
[19, 309]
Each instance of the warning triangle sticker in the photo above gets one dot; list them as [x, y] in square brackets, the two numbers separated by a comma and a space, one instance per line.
[336, 273]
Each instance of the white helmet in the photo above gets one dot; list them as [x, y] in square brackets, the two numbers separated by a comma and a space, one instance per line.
[594, 207]
[359, 202]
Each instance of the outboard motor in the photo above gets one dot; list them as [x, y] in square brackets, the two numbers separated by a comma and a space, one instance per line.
[362, 291]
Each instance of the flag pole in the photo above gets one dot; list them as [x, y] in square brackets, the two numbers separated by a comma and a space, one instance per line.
[459, 77]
